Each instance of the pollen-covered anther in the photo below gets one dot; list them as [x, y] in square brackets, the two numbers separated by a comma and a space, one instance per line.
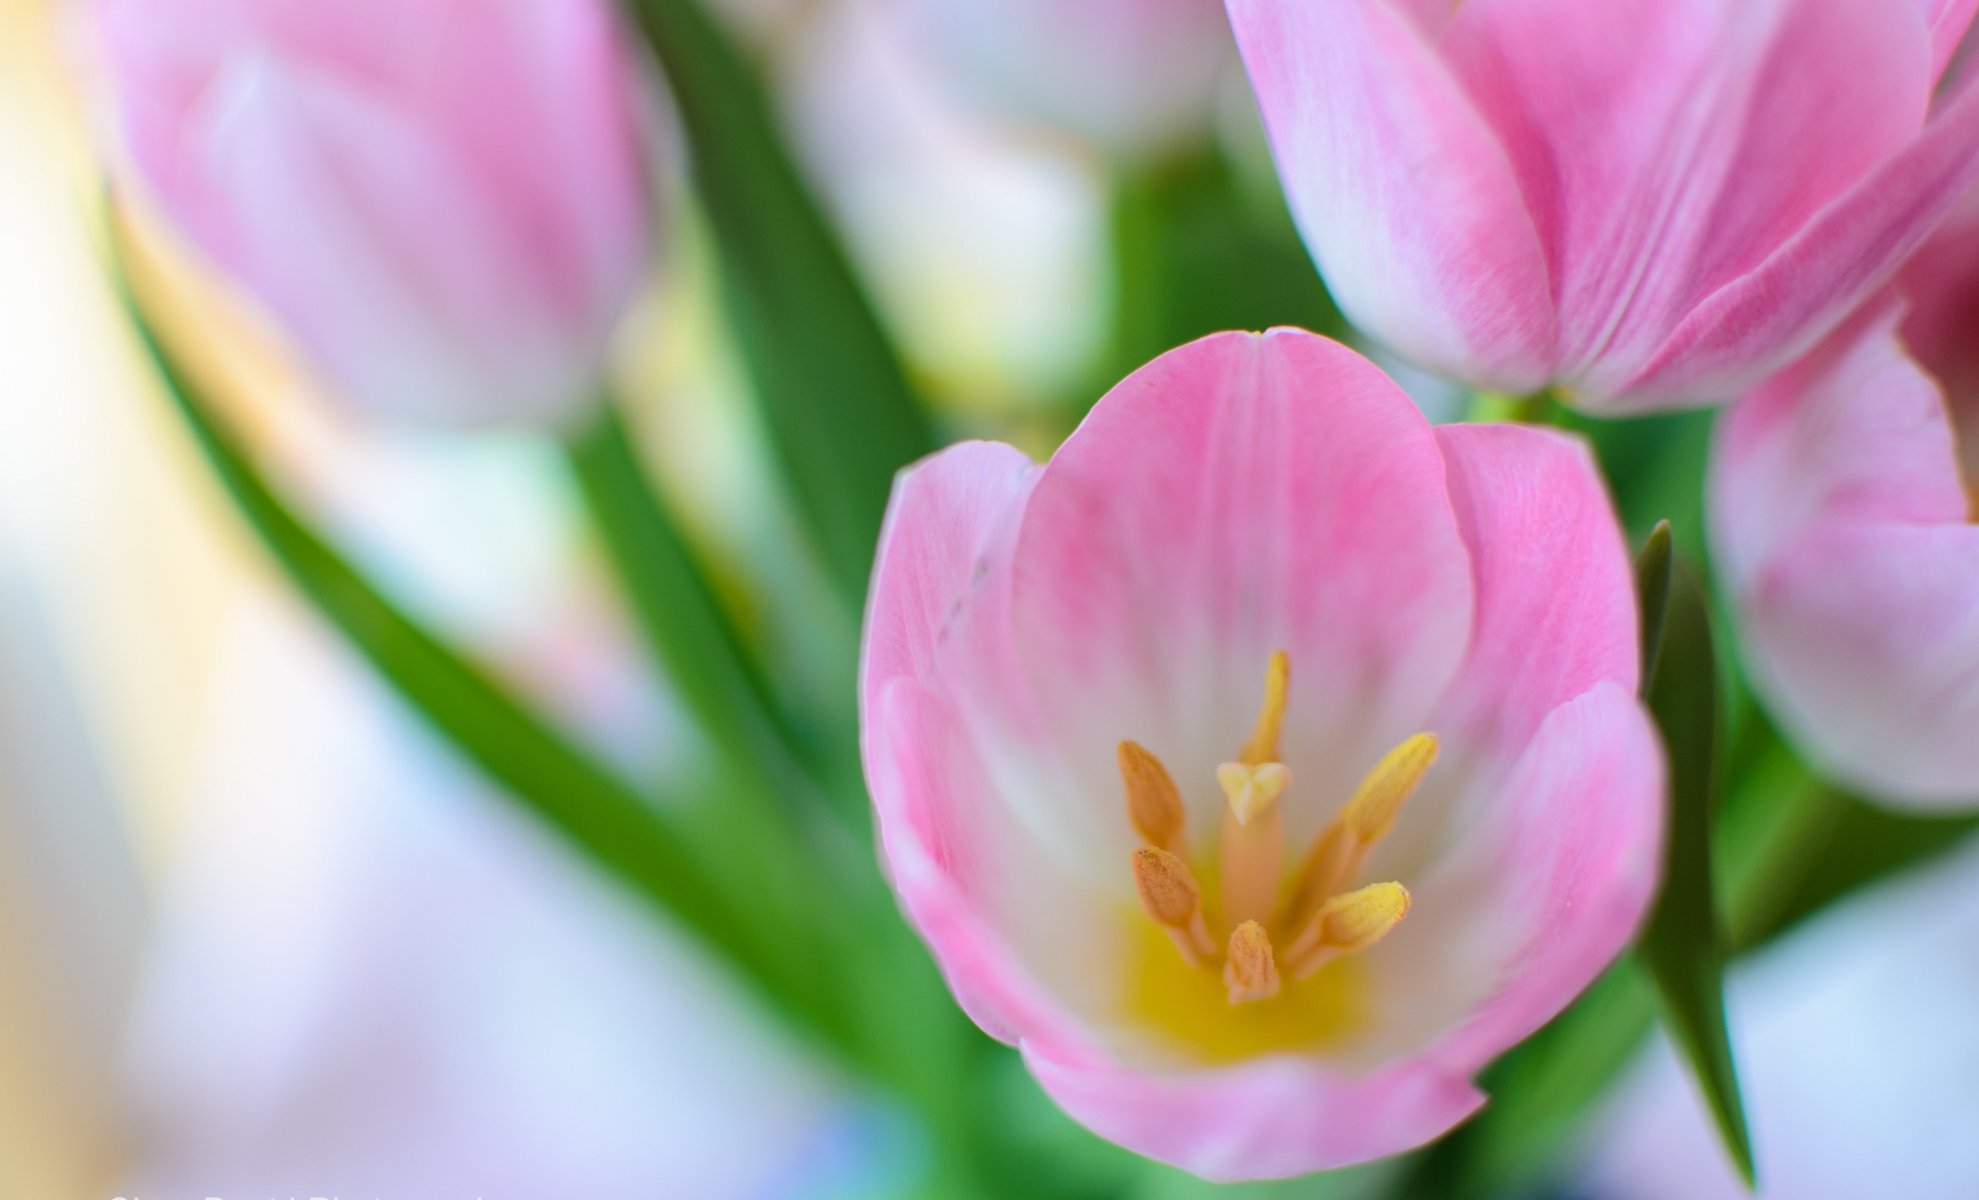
[1170, 895]
[1154, 807]
[1263, 746]
[1251, 789]
[1347, 924]
[1341, 850]
[1250, 969]
[1379, 799]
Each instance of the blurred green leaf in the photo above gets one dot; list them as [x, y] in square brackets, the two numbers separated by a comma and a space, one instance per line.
[1195, 252]
[704, 657]
[1652, 590]
[618, 826]
[1683, 947]
[835, 400]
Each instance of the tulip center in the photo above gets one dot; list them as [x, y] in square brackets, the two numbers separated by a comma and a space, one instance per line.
[1274, 943]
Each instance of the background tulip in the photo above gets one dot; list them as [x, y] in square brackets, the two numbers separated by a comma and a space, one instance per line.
[1646, 203]
[445, 203]
[1042, 639]
[1131, 76]
[1843, 523]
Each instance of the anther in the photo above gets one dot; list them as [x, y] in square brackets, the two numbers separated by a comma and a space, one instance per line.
[1347, 924]
[1249, 969]
[1263, 746]
[1172, 898]
[1371, 813]
[1153, 805]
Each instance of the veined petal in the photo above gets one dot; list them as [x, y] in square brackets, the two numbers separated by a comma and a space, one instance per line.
[1405, 195]
[1556, 609]
[1665, 146]
[1577, 834]
[1810, 284]
[1241, 495]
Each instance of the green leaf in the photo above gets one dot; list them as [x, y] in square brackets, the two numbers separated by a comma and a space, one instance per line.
[1683, 947]
[1195, 252]
[619, 827]
[835, 400]
[687, 629]
[1652, 590]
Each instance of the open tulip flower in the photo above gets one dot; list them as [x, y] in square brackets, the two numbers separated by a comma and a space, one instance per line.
[1269, 761]
[1842, 517]
[1643, 202]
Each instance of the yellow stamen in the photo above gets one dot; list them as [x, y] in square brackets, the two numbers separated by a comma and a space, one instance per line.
[1263, 746]
[1348, 924]
[1153, 804]
[1341, 850]
[1252, 789]
[1171, 896]
[1371, 813]
[1249, 969]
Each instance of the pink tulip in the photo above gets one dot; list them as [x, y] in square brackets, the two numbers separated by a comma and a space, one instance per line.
[1133, 77]
[445, 203]
[1259, 940]
[1644, 202]
[1842, 521]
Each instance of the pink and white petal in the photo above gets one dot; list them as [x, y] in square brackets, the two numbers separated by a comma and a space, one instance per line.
[1004, 926]
[1556, 605]
[1243, 494]
[942, 521]
[951, 842]
[1268, 1119]
[1664, 148]
[1840, 521]
[1404, 194]
[1577, 834]
[1863, 639]
[1809, 286]
[1854, 431]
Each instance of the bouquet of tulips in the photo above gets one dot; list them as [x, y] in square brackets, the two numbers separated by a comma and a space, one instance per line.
[1271, 780]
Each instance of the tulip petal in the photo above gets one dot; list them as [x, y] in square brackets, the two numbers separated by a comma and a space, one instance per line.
[1269, 1119]
[1577, 829]
[1556, 611]
[1241, 495]
[1947, 20]
[1405, 196]
[1806, 287]
[1665, 146]
[950, 843]
[1841, 523]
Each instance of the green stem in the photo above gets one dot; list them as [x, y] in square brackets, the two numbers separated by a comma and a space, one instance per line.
[834, 397]
[619, 827]
[686, 626]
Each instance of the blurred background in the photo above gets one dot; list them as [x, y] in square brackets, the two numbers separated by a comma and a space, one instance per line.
[261, 933]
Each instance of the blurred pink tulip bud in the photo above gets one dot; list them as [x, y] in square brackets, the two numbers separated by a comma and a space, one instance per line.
[1648, 203]
[1255, 939]
[1133, 77]
[1842, 517]
[445, 203]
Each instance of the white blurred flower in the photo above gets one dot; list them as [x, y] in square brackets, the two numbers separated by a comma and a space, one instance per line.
[986, 252]
[1858, 1056]
[370, 976]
